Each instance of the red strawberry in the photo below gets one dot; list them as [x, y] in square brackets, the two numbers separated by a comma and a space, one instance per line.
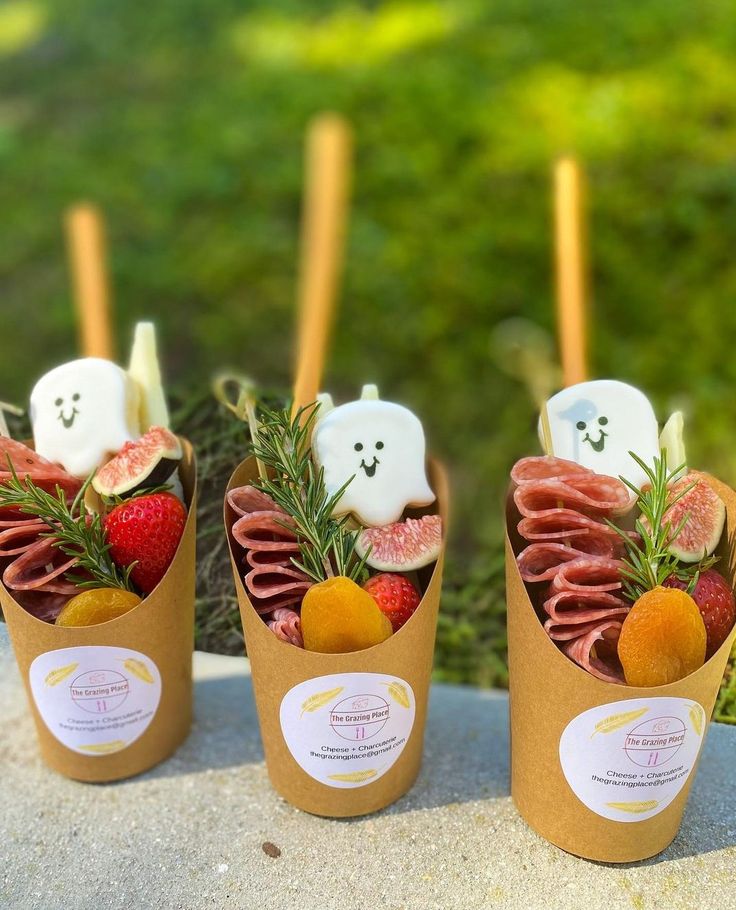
[395, 595]
[146, 529]
[715, 600]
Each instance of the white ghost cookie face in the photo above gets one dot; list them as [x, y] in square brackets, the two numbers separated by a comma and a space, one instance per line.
[82, 412]
[597, 424]
[381, 446]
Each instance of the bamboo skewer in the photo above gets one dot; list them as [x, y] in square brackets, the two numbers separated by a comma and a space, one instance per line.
[327, 174]
[570, 262]
[87, 258]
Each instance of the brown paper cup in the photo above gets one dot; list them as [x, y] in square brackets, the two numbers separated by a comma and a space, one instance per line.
[115, 699]
[342, 733]
[601, 770]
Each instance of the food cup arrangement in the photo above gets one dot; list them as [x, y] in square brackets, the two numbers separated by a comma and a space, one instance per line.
[620, 575]
[336, 533]
[97, 553]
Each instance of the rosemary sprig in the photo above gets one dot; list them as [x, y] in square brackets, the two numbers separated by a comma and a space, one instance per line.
[648, 561]
[75, 531]
[326, 544]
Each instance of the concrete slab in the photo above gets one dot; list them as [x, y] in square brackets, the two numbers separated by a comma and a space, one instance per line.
[190, 833]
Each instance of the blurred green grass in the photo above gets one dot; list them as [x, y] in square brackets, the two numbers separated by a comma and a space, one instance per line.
[185, 122]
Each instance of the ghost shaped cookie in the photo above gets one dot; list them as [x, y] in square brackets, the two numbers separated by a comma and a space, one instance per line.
[597, 424]
[82, 412]
[381, 446]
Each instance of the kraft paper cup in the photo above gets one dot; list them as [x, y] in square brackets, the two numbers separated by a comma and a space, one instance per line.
[602, 770]
[342, 733]
[113, 700]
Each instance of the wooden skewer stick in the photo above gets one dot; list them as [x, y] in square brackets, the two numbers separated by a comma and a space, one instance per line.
[570, 259]
[546, 429]
[87, 257]
[327, 174]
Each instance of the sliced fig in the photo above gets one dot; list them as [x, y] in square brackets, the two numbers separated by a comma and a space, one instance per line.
[403, 545]
[146, 462]
[706, 514]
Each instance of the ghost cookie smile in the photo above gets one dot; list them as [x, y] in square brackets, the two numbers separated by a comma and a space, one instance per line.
[370, 469]
[67, 421]
[599, 444]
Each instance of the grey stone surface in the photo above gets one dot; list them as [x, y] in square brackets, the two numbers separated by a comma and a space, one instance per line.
[190, 833]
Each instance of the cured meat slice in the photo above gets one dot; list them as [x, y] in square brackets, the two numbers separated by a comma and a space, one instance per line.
[265, 531]
[273, 584]
[571, 613]
[588, 575]
[287, 625]
[41, 568]
[598, 496]
[20, 536]
[247, 499]
[542, 561]
[27, 463]
[554, 524]
[595, 651]
[545, 467]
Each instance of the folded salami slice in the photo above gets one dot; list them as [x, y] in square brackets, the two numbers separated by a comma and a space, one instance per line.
[265, 531]
[595, 651]
[542, 561]
[273, 584]
[599, 496]
[20, 536]
[588, 575]
[27, 463]
[287, 625]
[247, 499]
[545, 467]
[41, 568]
[557, 524]
[571, 613]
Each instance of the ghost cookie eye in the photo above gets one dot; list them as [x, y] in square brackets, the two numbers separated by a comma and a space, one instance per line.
[379, 445]
[603, 421]
[358, 446]
[581, 424]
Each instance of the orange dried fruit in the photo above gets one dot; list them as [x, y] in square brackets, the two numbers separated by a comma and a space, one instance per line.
[663, 638]
[97, 605]
[339, 616]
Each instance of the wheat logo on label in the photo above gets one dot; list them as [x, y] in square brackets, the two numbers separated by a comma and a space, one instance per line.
[347, 730]
[627, 761]
[95, 700]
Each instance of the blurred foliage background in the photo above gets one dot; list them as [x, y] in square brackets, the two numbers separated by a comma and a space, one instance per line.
[184, 121]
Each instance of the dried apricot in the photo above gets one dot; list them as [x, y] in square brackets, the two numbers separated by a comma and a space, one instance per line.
[339, 616]
[663, 638]
[97, 605]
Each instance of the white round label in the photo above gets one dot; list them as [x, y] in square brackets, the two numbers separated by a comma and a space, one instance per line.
[95, 700]
[347, 729]
[628, 760]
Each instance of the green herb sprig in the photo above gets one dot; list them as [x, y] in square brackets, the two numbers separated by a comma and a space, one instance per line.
[648, 561]
[76, 531]
[326, 544]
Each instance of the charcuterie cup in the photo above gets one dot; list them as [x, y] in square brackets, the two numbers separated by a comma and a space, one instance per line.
[114, 699]
[342, 733]
[602, 770]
